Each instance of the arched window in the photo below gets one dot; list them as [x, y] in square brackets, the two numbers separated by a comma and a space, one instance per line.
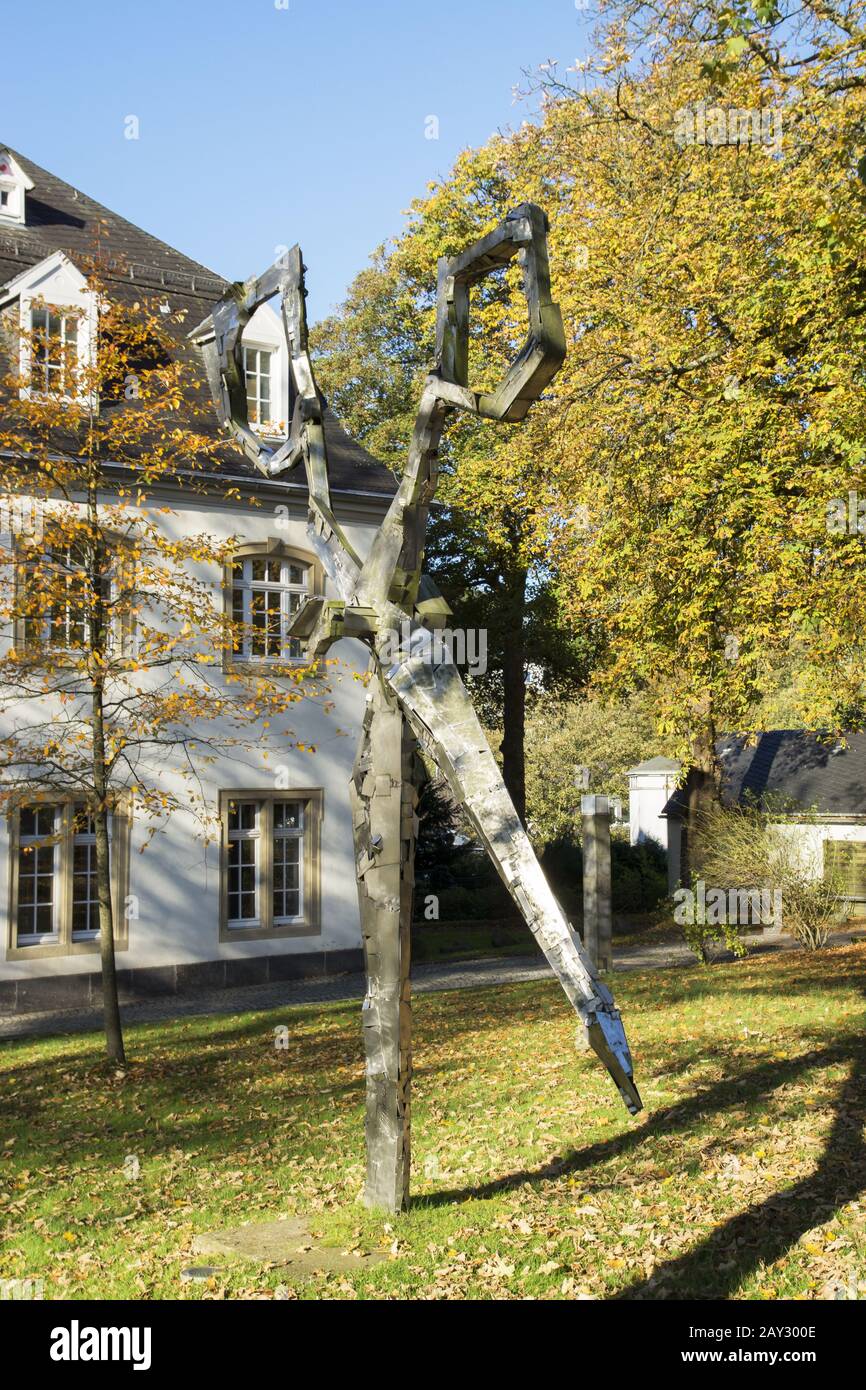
[268, 584]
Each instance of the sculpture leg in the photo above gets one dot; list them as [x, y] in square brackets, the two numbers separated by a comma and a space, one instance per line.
[383, 797]
[437, 706]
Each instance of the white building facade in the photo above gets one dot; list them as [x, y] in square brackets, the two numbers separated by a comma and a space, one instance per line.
[264, 889]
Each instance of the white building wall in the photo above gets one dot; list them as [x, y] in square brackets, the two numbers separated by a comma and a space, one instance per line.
[177, 876]
[812, 837]
[647, 796]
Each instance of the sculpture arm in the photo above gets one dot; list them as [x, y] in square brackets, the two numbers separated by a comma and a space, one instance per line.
[436, 705]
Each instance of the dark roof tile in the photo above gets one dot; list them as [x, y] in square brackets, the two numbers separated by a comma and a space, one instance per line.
[61, 217]
[789, 769]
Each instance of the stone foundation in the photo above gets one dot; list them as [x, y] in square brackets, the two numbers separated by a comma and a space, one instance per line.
[40, 994]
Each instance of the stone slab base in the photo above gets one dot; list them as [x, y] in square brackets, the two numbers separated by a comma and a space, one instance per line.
[288, 1244]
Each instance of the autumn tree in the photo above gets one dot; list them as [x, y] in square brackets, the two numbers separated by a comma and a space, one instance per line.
[708, 242]
[112, 669]
[693, 482]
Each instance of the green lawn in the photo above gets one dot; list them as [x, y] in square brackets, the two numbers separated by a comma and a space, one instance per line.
[444, 941]
[744, 1177]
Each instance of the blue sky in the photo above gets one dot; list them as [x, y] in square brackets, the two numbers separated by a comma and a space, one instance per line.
[261, 126]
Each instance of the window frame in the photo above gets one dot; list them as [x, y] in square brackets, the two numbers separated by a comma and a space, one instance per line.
[40, 938]
[240, 836]
[265, 927]
[80, 839]
[270, 549]
[840, 854]
[265, 427]
[67, 384]
[83, 308]
[63, 941]
[121, 636]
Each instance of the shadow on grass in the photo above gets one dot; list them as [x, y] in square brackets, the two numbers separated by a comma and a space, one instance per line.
[766, 1231]
[760, 1235]
[182, 1071]
[196, 1072]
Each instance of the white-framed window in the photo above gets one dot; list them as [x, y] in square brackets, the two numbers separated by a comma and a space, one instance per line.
[288, 862]
[38, 876]
[243, 863]
[54, 602]
[67, 624]
[257, 376]
[249, 822]
[54, 896]
[57, 322]
[270, 864]
[54, 351]
[267, 590]
[14, 186]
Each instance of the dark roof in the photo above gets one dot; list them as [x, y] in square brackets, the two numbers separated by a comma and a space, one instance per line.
[657, 764]
[789, 770]
[62, 218]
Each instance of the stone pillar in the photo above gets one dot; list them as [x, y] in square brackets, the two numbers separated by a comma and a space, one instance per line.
[597, 924]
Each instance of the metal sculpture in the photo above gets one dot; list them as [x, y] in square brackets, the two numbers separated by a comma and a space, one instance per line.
[417, 696]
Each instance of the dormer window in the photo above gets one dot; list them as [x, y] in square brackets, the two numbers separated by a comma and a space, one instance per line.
[57, 323]
[14, 186]
[257, 375]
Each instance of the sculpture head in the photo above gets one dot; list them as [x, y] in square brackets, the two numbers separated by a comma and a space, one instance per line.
[521, 234]
[391, 573]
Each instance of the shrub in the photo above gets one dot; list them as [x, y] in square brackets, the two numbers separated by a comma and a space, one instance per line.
[744, 847]
[639, 875]
[701, 931]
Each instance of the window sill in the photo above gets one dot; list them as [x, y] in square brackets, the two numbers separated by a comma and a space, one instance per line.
[267, 432]
[60, 656]
[27, 393]
[266, 665]
[60, 948]
[260, 933]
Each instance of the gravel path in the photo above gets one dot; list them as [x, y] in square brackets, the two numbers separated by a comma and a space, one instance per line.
[426, 979]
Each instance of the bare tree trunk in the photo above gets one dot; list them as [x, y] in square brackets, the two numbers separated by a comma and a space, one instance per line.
[703, 789]
[514, 697]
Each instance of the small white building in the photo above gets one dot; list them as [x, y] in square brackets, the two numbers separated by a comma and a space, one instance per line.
[650, 786]
[815, 782]
[274, 895]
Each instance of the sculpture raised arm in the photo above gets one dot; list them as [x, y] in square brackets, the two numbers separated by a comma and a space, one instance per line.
[417, 694]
